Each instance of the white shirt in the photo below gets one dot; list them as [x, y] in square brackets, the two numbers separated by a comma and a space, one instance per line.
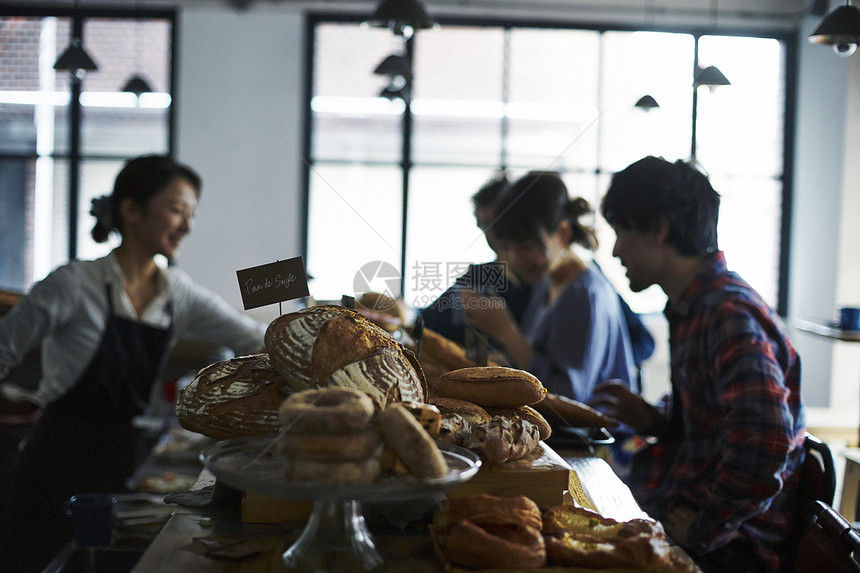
[67, 313]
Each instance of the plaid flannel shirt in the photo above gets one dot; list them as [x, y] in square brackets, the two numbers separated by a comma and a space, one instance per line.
[735, 420]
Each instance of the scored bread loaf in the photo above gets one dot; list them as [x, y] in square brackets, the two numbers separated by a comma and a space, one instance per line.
[329, 345]
[232, 398]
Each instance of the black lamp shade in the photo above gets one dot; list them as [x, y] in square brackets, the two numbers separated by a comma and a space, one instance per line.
[400, 15]
[75, 58]
[841, 25]
[647, 102]
[710, 76]
[394, 66]
[136, 85]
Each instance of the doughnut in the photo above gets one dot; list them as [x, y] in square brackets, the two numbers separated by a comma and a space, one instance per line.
[352, 446]
[525, 413]
[490, 386]
[326, 410]
[412, 444]
[494, 542]
[363, 471]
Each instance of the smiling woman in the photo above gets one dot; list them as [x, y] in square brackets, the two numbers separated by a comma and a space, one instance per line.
[106, 327]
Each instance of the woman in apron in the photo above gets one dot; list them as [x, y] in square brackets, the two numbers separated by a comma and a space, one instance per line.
[106, 327]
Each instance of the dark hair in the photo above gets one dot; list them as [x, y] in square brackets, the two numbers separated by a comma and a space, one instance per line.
[538, 201]
[653, 189]
[140, 179]
[490, 192]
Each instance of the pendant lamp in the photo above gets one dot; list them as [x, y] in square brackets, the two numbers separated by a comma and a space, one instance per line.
[136, 84]
[75, 60]
[840, 29]
[647, 103]
[711, 77]
[402, 16]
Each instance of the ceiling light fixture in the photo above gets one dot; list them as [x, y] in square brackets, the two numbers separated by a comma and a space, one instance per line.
[76, 60]
[840, 29]
[403, 17]
[647, 103]
[136, 84]
[711, 77]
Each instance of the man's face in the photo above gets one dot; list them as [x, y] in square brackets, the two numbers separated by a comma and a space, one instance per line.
[484, 220]
[637, 252]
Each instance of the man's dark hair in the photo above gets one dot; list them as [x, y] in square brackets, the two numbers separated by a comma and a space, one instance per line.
[490, 192]
[653, 189]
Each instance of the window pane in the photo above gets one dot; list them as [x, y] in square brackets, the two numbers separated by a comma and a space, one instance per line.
[97, 179]
[636, 64]
[553, 107]
[750, 210]
[437, 254]
[350, 120]
[457, 100]
[740, 127]
[16, 220]
[122, 48]
[28, 90]
[353, 219]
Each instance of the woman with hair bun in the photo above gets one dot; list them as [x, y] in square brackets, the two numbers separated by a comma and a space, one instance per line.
[106, 327]
[573, 333]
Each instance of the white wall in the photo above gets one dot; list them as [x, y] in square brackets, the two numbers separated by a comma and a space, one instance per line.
[239, 116]
[825, 259]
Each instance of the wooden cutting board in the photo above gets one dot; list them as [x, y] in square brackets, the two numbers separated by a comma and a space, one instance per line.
[543, 476]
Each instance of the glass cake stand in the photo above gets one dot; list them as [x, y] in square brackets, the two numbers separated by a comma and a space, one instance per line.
[335, 538]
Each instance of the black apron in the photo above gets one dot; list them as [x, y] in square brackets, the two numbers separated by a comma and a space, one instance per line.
[84, 441]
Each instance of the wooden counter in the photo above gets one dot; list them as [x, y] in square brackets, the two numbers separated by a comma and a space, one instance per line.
[410, 550]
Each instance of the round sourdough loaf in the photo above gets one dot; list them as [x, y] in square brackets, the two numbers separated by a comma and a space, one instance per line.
[233, 398]
[327, 345]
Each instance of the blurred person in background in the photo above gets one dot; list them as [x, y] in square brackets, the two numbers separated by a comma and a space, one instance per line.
[573, 332]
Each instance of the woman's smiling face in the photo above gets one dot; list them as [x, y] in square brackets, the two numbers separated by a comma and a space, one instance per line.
[167, 219]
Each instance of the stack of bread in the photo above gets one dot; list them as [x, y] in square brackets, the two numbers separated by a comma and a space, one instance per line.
[487, 409]
[336, 435]
[488, 532]
[316, 347]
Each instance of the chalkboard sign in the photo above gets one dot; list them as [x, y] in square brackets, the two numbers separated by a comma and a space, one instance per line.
[273, 282]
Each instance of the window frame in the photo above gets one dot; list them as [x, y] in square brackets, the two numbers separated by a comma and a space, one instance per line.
[75, 157]
[787, 40]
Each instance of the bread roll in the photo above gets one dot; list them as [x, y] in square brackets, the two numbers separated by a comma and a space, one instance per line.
[485, 531]
[518, 507]
[233, 398]
[503, 439]
[526, 413]
[458, 418]
[490, 386]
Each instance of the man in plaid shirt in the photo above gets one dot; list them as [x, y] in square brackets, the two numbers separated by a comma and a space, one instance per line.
[719, 470]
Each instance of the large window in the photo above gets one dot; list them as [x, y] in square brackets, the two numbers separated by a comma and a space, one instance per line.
[396, 175]
[44, 210]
